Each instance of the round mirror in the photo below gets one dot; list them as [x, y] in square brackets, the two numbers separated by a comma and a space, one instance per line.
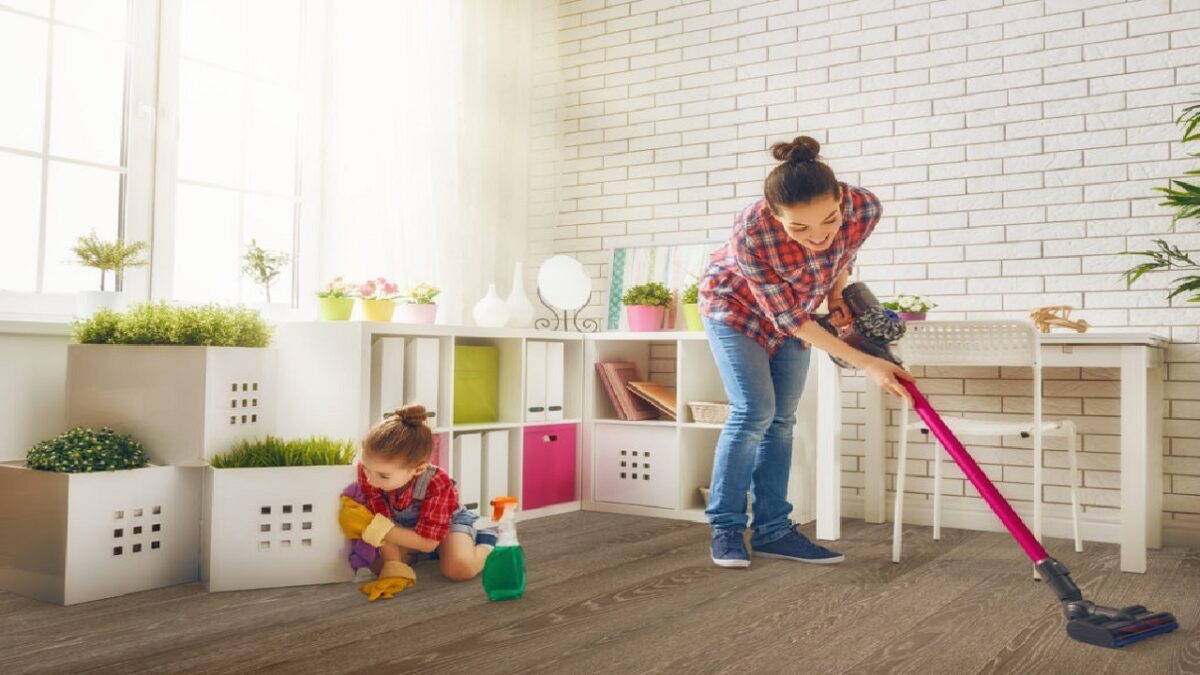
[564, 283]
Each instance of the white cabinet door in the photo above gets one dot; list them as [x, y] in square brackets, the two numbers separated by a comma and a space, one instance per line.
[387, 376]
[421, 375]
[535, 381]
[554, 381]
[468, 469]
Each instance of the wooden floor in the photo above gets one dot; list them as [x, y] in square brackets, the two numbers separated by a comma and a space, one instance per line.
[619, 594]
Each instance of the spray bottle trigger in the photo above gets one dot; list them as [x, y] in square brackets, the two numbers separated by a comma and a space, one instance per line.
[498, 505]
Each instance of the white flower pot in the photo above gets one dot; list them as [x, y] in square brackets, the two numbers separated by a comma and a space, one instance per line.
[70, 538]
[271, 527]
[87, 302]
[183, 404]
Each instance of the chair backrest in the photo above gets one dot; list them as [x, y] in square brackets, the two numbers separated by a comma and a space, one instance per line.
[969, 343]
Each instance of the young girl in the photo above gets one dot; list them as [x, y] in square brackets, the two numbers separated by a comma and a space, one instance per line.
[789, 251]
[402, 506]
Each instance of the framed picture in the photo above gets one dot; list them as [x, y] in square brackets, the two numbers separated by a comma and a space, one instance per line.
[675, 265]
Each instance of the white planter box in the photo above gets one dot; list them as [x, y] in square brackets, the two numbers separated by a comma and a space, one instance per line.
[70, 538]
[272, 527]
[184, 404]
[637, 465]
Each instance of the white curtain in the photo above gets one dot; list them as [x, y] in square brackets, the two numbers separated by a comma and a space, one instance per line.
[426, 143]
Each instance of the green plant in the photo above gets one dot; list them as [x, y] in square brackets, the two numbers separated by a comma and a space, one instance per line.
[909, 303]
[337, 288]
[653, 293]
[421, 294]
[82, 450]
[108, 256]
[263, 266]
[691, 294]
[1165, 258]
[156, 323]
[274, 451]
[1185, 197]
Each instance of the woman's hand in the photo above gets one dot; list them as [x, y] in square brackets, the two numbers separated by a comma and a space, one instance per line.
[888, 375]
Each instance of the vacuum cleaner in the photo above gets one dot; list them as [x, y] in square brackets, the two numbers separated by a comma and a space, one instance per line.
[874, 330]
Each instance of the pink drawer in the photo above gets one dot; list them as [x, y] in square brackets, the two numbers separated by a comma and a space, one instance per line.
[548, 473]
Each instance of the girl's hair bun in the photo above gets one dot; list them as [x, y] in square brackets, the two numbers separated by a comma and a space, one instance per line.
[801, 149]
[412, 415]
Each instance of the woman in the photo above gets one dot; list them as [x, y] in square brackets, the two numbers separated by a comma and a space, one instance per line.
[789, 251]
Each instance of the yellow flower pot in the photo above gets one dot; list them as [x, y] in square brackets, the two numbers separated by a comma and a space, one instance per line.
[378, 310]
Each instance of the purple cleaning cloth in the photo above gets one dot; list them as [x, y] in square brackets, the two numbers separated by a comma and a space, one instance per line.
[362, 554]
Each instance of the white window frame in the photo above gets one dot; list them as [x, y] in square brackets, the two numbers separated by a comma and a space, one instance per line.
[136, 178]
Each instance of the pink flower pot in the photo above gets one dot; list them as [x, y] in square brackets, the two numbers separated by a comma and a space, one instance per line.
[645, 317]
[912, 316]
[417, 313]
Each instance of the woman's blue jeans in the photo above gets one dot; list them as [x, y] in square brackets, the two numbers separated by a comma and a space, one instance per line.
[754, 451]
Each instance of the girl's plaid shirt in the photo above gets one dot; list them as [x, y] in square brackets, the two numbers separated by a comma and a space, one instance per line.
[765, 285]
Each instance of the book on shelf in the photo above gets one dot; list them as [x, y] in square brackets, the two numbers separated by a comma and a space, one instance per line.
[615, 375]
[662, 398]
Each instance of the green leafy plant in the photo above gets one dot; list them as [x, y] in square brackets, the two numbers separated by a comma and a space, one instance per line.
[156, 323]
[653, 293]
[274, 451]
[108, 256]
[909, 303]
[337, 288]
[1166, 257]
[691, 294]
[82, 450]
[1185, 197]
[263, 266]
[421, 294]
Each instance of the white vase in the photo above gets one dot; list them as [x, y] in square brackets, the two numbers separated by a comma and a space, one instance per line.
[520, 309]
[491, 310]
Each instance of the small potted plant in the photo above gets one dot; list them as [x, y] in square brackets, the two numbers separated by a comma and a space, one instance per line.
[106, 256]
[378, 299]
[336, 300]
[910, 307]
[417, 305]
[645, 305]
[275, 499]
[86, 518]
[263, 266]
[691, 307]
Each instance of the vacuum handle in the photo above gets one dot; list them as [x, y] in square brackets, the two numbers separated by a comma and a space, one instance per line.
[982, 484]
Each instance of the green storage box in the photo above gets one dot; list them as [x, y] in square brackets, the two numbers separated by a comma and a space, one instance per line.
[476, 384]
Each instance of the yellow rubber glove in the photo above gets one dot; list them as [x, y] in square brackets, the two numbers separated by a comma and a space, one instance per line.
[358, 522]
[394, 577]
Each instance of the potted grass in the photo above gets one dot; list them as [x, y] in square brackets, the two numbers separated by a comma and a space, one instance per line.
[185, 381]
[910, 307]
[645, 305]
[378, 299]
[336, 300]
[84, 517]
[417, 304]
[270, 514]
[691, 307]
[105, 256]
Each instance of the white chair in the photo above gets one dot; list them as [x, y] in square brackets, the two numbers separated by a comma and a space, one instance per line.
[986, 343]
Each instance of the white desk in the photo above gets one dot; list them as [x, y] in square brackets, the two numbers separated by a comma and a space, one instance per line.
[1139, 356]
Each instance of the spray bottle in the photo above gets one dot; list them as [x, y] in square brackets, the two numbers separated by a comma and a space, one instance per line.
[504, 569]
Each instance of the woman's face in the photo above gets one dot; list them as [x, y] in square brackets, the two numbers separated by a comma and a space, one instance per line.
[813, 224]
[388, 473]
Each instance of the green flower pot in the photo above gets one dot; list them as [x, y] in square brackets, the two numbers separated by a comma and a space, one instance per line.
[691, 314]
[336, 309]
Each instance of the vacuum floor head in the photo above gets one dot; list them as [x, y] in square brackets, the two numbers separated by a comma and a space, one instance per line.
[1112, 627]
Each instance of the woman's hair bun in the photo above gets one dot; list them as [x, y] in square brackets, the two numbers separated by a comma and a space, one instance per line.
[801, 149]
[412, 415]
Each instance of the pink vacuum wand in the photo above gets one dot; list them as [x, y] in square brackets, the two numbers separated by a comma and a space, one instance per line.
[874, 331]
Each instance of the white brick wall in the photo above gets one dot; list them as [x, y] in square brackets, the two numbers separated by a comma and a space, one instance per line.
[1014, 145]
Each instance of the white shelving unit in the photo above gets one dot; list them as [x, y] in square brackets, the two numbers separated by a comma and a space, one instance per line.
[328, 386]
[683, 449]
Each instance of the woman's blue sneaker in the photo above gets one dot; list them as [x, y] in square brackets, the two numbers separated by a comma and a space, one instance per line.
[729, 549]
[796, 546]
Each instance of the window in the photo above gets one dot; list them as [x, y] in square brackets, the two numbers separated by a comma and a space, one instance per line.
[240, 82]
[70, 136]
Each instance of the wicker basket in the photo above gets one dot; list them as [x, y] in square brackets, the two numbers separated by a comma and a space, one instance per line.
[709, 413]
